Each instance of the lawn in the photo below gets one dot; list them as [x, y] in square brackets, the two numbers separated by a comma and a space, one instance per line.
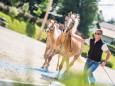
[23, 27]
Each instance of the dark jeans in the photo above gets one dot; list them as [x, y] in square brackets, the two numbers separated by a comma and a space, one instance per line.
[89, 68]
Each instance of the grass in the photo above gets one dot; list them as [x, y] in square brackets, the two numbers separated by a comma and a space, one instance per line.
[23, 27]
[76, 79]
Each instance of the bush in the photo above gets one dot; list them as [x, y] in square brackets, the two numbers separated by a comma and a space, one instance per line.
[4, 8]
[44, 40]
[25, 7]
[84, 54]
[113, 43]
[109, 64]
[111, 48]
[13, 11]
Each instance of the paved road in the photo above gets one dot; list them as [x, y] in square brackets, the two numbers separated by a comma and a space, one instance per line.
[21, 58]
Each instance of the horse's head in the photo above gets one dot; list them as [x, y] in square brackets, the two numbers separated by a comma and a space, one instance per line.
[69, 22]
[76, 18]
[51, 26]
[74, 23]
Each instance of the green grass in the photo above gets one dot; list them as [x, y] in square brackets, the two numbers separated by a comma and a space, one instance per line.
[76, 79]
[23, 27]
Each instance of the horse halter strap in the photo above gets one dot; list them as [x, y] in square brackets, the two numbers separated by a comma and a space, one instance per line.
[52, 26]
[67, 26]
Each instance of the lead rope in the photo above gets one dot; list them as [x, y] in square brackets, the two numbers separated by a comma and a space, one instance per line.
[108, 75]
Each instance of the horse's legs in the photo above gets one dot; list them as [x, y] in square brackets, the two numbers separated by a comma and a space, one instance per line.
[51, 52]
[45, 57]
[61, 65]
[49, 59]
[43, 64]
[66, 72]
[48, 52]
[74, 59]
[47, 62]
[52, 49]
[57, 68]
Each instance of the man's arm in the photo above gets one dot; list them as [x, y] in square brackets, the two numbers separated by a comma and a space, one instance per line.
[108, 55]
[107, 58]
[78, 39]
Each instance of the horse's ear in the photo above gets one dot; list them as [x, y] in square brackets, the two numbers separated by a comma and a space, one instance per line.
[77, 16]
[70, 13]
[55, 21]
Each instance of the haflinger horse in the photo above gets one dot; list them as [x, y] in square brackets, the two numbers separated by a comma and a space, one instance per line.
[53, 33]
[67, 46]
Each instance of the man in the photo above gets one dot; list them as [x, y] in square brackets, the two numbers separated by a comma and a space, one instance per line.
[94, 54]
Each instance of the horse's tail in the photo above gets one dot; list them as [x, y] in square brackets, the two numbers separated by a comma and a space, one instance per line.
[57, 68]
[81, 59]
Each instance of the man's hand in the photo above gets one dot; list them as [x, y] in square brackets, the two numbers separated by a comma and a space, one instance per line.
[103, 63]
[107, 58]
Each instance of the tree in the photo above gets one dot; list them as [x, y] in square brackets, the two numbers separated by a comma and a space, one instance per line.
[112, 21]
[100, 17]
[86, 8]
[12, 2]
[41, 7]
[13, 11]
[37, 7]
[25, 7]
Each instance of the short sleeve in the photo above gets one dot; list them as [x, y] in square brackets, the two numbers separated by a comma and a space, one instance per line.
[104, 47]
[87, 41]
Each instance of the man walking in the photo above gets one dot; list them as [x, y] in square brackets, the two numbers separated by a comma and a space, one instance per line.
[94, 54]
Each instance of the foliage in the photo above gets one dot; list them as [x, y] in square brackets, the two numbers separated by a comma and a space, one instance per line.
[86, 8]
[100, 17]
[15, 3]
[84, 54]
[113, 43]
[41, 8]
[76, 79]
[28, 29]
[25, 7]
[111, 48]
[111, 21]
[13, 11]
[35, 7]
[109, 64]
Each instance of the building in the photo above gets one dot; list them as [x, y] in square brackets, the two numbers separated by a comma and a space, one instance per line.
[108, 32]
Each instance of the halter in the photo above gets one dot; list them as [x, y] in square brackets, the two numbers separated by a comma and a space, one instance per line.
[70, 23]
[51, 26]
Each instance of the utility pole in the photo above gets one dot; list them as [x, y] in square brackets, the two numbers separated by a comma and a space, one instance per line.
[45, 19]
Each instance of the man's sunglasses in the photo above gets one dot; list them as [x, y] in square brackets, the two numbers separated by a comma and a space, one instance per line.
[98, 34]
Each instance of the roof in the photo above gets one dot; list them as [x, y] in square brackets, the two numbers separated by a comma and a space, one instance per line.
[108, 29]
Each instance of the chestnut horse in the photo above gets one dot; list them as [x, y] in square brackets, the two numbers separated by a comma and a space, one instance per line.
[65, 43]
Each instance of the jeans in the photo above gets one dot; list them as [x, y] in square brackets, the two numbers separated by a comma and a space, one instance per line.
[89, 68]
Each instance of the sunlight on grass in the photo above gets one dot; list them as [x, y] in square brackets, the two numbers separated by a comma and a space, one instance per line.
[23, 27]
[76, 79]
